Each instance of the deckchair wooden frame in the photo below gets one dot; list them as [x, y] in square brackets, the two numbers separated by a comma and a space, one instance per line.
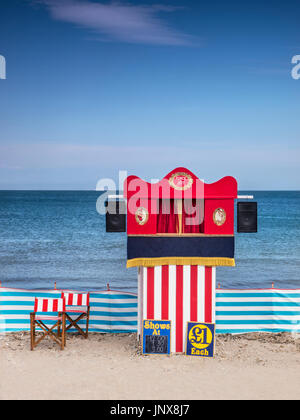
[77, 304]
[74, 322]
[59, 337]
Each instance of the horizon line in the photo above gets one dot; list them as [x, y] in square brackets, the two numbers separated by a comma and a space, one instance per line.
[94, 190]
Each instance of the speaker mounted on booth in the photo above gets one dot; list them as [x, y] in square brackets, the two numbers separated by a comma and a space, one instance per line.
[115, 215]
[247, 217]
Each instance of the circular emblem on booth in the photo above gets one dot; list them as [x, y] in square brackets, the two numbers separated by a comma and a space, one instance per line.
[141, 216]
[200, 336]
[181, 181]
[219, 216]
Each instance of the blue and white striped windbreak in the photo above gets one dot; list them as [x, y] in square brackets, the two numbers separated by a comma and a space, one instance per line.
[272, 310]
[237, 311]
[110, 311]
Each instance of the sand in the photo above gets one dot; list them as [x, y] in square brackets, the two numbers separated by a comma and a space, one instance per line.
[110, 367]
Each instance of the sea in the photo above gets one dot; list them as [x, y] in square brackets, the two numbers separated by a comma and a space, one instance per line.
[58, 237]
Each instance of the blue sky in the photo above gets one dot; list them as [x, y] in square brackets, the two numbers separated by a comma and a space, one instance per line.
[94, 87]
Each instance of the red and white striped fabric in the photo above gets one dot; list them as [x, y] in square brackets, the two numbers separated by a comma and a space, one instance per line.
[179, 294]
[76, 299]
[49, 305]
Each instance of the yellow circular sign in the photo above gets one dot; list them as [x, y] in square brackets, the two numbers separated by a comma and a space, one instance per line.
[200, 336]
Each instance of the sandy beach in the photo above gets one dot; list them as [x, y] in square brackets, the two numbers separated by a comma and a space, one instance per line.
[111, 367]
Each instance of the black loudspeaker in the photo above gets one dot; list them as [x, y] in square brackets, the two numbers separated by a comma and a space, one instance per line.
[247, 217]
[116, 216]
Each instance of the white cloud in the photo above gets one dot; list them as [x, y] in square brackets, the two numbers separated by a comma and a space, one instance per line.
[120, 22]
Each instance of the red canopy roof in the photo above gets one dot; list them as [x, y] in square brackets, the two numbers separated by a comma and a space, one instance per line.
[181, 183]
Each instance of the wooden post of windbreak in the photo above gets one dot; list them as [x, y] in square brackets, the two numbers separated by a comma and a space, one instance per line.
[272, 285]
[55, 285]
[108, 288]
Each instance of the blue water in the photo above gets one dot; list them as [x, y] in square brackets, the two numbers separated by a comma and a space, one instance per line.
[58, 236]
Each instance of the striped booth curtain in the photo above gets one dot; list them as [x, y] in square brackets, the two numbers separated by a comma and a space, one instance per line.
[179, 293]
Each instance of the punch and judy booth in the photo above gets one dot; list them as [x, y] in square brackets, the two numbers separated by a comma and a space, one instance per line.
[179, 230]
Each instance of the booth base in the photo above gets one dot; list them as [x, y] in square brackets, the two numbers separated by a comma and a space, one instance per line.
[179, 293]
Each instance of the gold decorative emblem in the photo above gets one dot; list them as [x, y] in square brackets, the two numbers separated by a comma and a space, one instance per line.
[181, 181]
[219, 216]
[141, 216]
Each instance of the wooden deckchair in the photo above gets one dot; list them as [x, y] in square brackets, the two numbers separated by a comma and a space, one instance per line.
[38, 318]
[77, 304]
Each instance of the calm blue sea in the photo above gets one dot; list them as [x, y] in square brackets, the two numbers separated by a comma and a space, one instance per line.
[58, 236]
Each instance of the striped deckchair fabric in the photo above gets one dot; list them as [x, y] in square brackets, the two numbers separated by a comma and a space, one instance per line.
[76, 299]
[49, 305]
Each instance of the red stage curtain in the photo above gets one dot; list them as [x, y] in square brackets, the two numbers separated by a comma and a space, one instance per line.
[191, 219]
[167, 220]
